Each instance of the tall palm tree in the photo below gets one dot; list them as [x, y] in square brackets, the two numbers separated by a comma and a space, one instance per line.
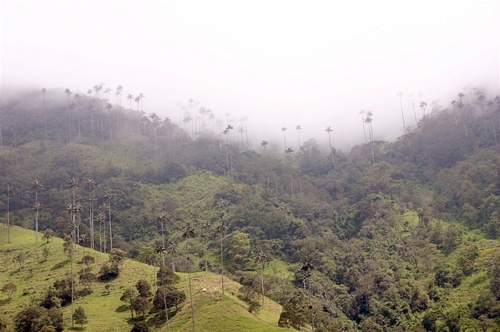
[130, 97]
[423, 105]
[109, 196]
[118, 94]
[283, 129]
[414, 112]
[72, 228]
[160, 250]
[92, 199]
[400, 94]
[101, 220]
[8, 191]
[261, 258]
[306, 270]
[36, 208]
[189, 233]
[141, 97]
[155, 121]
[172, 249]
[362, 112]
[368, 121]
[37, 185]
[264, 144]
[298, 128]
[206, 227]
[221, 230]
[162, 217]
[68, 93]
[329, 132]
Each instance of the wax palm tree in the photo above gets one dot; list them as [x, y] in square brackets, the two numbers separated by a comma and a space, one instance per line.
[189, 233]
[414, 112]
[9, 192]
[109, 196]
[283, 129]
[368, 121]
[423, 105]
[206, 227]
[264, 144]
[72, 228]
[92, 200]
[160, 250]
[261, 259]
[37, 185]
[400, 94]
[162, 217]
[329, 132]
[298, 128]
[141, 97]
[155, 121]
[68, 93]
[362, 112]
[172, 249]
[118, 94]
[221, 230]
[138, 101]
[130, 97]
[306, 269]
[101, 220]
[36, 208]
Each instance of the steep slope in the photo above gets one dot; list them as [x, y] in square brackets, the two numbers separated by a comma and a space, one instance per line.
[103, 307]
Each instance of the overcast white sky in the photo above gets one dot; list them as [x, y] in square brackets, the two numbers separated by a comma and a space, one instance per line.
[281, 63]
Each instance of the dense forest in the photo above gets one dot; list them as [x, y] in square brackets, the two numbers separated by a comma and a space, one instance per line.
[392, 236]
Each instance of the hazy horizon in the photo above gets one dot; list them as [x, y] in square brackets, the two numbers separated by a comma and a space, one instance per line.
[278, 63]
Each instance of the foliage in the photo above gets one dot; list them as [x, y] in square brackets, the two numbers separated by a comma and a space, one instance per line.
[9, 288]
[79, 316]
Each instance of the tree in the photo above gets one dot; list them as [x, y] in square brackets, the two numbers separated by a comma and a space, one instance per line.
[68, 93]
[400, 94]
[362, 113]
[48, 234]
[143, 288]
[187, 235]
[8, 191]
[140, 327]
[9, 288]
[92, 200]
[298, 128]
[162, 217]
[80, 317]
[37, 185]
[423, 105]
[129, 296]
[283, 129]
[221, 230]
[261, 259]
[130, 97]
[329, 131]
[109, 196]
[142, 305]
[264, 144]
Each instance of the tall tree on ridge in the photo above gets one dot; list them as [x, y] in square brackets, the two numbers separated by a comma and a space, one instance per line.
[130, 97]
[221, 230]
[298, 128]
[261, 258]
[109, 196]
[362, 112]
[37, 185]
[329, 131]
[368, 121]
[423, 105]
[400, 94]
[283, 129]
[187, 235]
[68, 94]
[92, 200]
[162, 217]
[8, 191]
[414, 112]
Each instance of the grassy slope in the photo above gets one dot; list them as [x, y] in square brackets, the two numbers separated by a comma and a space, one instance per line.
[107, 312]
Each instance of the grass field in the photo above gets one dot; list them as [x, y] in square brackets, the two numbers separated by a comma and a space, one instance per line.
[104, 309]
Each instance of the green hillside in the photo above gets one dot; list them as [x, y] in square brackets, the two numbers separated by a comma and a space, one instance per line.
[105, 311]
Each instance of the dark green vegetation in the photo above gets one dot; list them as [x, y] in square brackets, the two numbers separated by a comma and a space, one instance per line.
[407, 242]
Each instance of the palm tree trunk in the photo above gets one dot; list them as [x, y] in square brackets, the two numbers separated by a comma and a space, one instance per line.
[222, 263]
[262, 284]
[72, 285]
[8, 217]
[110, 232]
